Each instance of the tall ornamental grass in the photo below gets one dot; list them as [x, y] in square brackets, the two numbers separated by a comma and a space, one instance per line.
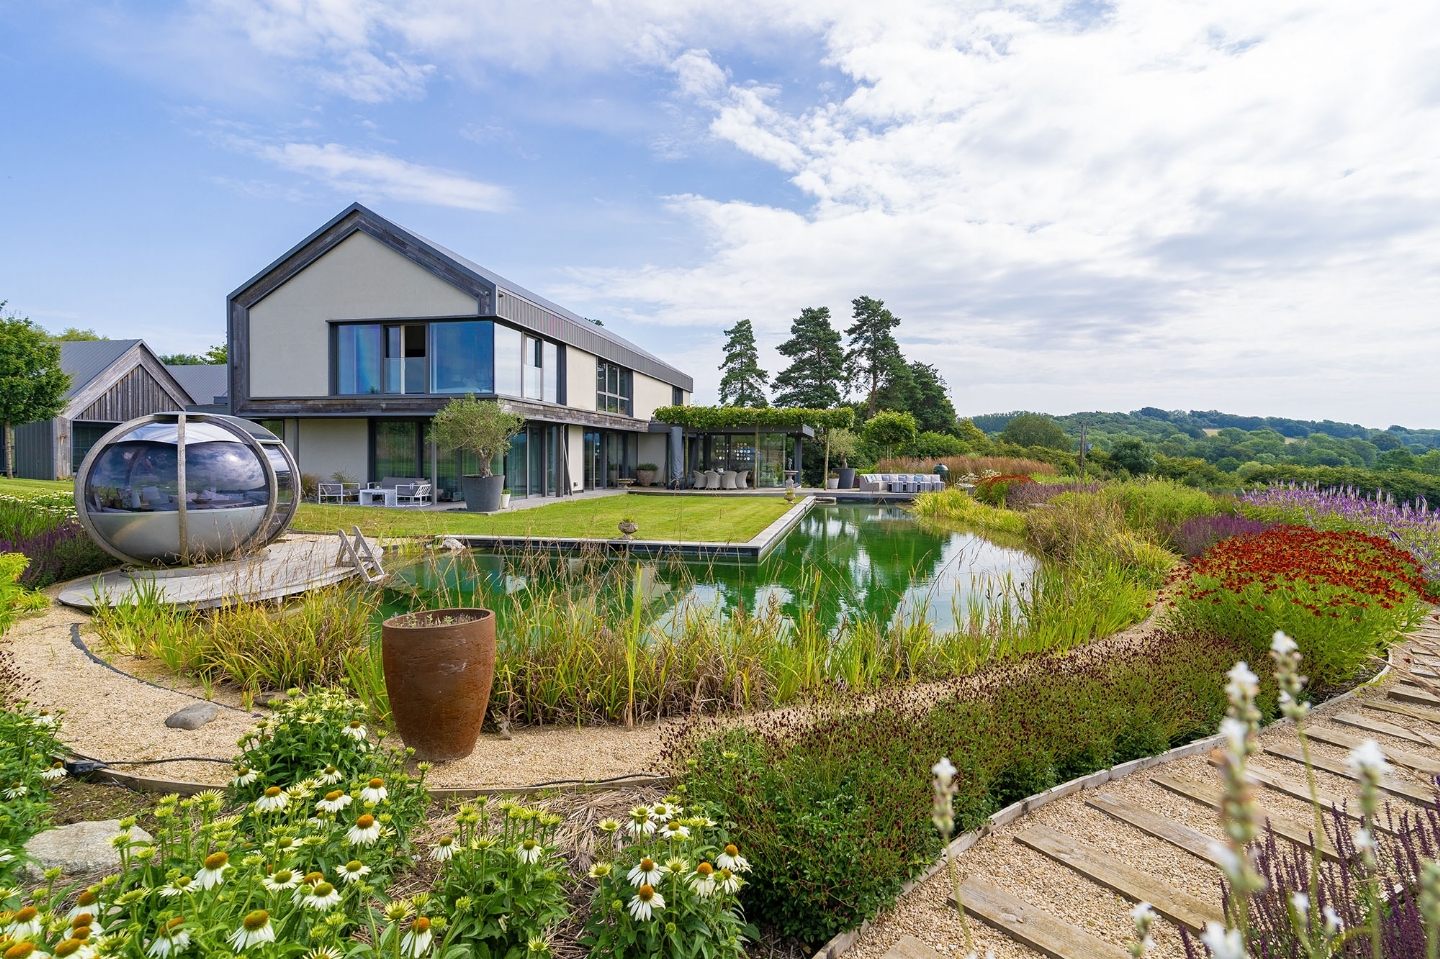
[835, 808]
[1344, 597]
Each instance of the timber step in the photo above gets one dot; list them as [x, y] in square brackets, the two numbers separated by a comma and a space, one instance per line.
[1299, 789]
[1403, 757]
[1104, 869]
[1415, 794]
[1214, 797]
[1191, 840]
[1008, 914]
[1403, 709]
[1408, 693]
[1382, 727]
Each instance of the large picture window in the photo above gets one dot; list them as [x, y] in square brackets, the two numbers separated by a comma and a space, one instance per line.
[507, 361]
[464, 357]
[452, 356]
[613, 391]
[359, 358]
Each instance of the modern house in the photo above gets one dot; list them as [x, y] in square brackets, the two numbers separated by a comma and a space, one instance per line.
[111, 381]
[207, 383]
[349, 343]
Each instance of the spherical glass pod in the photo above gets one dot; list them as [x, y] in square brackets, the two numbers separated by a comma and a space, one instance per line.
[179, 488]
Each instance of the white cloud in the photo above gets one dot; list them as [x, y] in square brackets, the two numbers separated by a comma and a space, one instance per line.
[380, 175]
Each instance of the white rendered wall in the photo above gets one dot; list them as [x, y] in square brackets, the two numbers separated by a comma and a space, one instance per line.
[649, 395]
[579, 379]
[577, 454]
[361, 278]
[327, 446]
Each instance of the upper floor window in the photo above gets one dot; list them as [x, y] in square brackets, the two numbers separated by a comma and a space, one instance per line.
[454, 356]
[677, 396]
[613, 390]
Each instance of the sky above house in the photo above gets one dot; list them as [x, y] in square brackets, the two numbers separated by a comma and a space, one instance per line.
[1084, 205]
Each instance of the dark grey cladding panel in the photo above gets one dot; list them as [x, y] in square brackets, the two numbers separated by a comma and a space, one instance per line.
[584, 336]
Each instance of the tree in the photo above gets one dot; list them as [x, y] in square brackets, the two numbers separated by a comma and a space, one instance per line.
[1133, 456]
[73, 334]
[477, 426]
[215, 356]
[973, 436]
[1030, 429]
[930, 445]
[32, 384]
[890, 429]
[817, 369]
[743, 382]
[873, 357]
[930, 400]
[844, 443]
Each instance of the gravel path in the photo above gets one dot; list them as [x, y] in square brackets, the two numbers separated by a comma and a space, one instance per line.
[1045, 884]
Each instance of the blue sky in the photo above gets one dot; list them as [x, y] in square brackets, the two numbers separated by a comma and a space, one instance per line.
[1071, 206]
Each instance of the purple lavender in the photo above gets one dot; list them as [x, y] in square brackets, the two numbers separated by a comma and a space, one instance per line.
[57, 554]
[1199, 533]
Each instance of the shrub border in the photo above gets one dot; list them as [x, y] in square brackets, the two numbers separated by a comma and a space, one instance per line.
[841, 943]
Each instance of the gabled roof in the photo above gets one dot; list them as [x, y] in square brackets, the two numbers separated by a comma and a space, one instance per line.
[204, 382]
[465, 274]
[85, 360]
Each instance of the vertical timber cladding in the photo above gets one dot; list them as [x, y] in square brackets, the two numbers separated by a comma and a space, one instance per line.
[136, 394]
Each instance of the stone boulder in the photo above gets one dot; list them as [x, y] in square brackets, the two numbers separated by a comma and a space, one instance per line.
[79, 848]
[193, 716]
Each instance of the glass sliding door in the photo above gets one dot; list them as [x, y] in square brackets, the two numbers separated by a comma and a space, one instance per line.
[594, 475]
[516, 465]
[396, 447]
[537, 460]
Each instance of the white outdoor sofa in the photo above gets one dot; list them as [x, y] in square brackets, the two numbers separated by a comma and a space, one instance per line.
[409, 490]
[900, 482]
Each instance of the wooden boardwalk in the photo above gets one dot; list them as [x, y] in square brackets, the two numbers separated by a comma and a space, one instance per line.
[1144, 851]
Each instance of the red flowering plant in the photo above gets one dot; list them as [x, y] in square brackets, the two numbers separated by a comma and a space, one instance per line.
[1343, 596]
[992, 489]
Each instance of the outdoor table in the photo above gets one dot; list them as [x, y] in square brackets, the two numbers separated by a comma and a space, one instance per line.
[385, 496]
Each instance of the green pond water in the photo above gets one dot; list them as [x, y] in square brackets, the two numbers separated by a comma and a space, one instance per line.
[839, 562]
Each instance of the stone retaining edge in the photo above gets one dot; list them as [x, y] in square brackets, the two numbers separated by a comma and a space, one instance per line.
[842, 943]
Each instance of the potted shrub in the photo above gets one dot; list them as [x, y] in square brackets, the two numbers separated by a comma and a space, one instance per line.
[645, 474]
[439, 665]
[483, 428]
[844, 444]
[832, 481]
[504, 499]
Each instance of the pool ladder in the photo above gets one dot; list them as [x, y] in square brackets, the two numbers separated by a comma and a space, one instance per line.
[361, 556]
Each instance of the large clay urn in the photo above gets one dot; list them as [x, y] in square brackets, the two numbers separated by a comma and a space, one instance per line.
[439, 665]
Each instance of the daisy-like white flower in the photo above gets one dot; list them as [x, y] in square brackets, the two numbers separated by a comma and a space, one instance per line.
[354, 871]
[365, 831]
[281, 879]
[732, 860]
[329, 776]
[537, 946]
[86, 902]
[85, 920]
[25, 950]
[254, 929]
[374, 791]
[176, 886]
[646, 903]
[16, 791]
[355, 730]
[174, 938]
[44, 718]
[300, 791]
[727, 881]
[24, 924]
[482, 843]
[73, 949]
[417, 938]
[675, 829]
[599, 870]
[702, 880]
[274, 800]
[323, 896]
[646, 872]
[212, 871]
[443, 849]
[528, 851]
[334, 801]
[56, 771]
[662, 812]
[640, 822]
[1223, 943]
[244, 776]
[609, 826]
[323, 952]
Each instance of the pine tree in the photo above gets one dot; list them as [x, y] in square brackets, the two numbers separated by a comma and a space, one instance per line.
[873, 358]
[743, 382]
[817, 368]
[930, 400]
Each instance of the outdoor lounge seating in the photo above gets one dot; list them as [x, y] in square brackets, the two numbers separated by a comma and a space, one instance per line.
[727, 479]
[334, 492]
[712, 479]
[409, 490]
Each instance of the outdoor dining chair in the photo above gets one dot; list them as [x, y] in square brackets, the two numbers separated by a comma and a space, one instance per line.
[727, 479]
[712, 479]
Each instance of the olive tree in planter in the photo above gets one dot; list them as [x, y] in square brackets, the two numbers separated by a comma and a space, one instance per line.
[483, 428]
[843, 444]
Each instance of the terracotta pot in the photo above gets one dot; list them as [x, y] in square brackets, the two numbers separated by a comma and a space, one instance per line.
[439, 665]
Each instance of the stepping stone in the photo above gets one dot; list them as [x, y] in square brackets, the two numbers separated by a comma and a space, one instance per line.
[911, 948]
[1415, 794]
[1028, 926]
[1214, 797]
[1102, 868]
[77, 849]
[1422, 764]
[193, 716]
[1191, 840]
[1402, 709]
[1382, 727]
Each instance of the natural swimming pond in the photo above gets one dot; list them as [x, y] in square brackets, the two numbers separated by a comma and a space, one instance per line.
[843, 562]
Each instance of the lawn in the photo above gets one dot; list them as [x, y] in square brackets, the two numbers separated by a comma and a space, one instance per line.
[709, 519]
[23, 488]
